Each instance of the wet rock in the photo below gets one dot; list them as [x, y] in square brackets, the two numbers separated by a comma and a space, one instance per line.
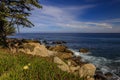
[48, 47]
[78, 61]
[84, 50]
[98, 69]
[44, 42]
[98, 72]
[108, 75]
[100, 77]
[58, 42]
[68, 51]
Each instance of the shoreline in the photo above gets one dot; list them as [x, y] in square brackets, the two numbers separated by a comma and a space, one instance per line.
[39, 42]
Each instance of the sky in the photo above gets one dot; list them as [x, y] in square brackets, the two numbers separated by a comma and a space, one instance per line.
[76, 16]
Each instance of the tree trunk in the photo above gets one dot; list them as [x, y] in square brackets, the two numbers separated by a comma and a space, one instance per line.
[3, 34]
[4, 37]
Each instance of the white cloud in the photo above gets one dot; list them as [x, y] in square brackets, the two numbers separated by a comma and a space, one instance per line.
[113, 20]
[63, 17]
[106, 25]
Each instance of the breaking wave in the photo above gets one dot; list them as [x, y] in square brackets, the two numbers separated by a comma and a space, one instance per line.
[100, 62]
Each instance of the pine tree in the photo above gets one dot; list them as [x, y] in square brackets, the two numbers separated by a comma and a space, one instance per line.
[14, 13]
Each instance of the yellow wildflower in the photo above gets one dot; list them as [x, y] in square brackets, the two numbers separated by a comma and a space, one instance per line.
[25, 67]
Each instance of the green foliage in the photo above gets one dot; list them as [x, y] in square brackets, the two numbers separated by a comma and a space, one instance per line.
[14, 13]
[9, 29]
[17, 11]
[12, 68]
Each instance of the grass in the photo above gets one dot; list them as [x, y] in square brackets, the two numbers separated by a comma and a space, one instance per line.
[26, 67]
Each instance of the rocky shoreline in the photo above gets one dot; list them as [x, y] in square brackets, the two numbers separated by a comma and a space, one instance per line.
[62, 56]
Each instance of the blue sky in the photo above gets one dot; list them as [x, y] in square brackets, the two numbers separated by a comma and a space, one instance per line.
[83, 16]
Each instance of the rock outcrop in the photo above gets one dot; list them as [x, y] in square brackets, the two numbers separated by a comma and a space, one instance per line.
[99, 75]
[35, 49]
[108, 75]
[87, 70]
[61, 55]
[58, 42]
[58, 48]
[61, 64]
[65, 66]
[64, 55]
[84, 50]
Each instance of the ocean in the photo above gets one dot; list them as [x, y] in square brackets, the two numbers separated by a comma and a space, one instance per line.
[104, 47]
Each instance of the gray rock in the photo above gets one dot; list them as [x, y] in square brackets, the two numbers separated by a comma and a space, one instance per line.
[108, 75]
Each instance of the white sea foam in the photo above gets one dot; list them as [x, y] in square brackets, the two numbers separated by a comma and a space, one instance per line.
[99, 62]
[117, 60]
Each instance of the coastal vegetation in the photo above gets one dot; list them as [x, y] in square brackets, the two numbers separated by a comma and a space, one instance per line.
[21, 66]
[15, 13]
[56, 60]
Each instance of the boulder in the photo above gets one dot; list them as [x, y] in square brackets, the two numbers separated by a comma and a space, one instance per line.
[58, 42]
[66, 67]
[58, 48]
[74, 69]
[100, 77]
[44, 42]
[36, 49]
[68, 51]
[61, 64]
[64, 55]
[87, 70]
[108, 75]
[48, 47]
[98, 72]
[78, 61]
[71, 62]
[84, 50]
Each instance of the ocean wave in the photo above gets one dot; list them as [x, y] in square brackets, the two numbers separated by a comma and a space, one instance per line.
[117, 61]
[99, 62]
